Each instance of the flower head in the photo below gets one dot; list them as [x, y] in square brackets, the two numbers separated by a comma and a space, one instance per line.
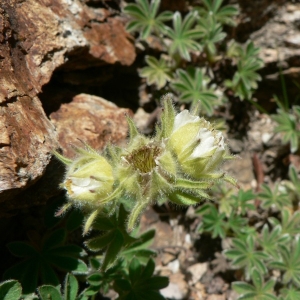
[89, 179]
[200, 148]
[178, 164]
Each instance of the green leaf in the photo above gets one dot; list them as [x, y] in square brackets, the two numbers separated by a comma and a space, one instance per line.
[290, 293]
[90, 220]
[48, 275]
[145, 19]
[245, 255]
[70, 287]
[183, 198]
[213, 222]
[94, 279]
[100, 242]
[214, 9]
[193, 86]
[142, 283]
[10, 290]
[48, 292]
[184, 38]
[258, 291]
[212, 34]
[289, 262]
[275, 198]
[113, 250]
[21, 249]
[157, 72]
[135, 270]
[74, 220]
[26, 272]
[245, 79]
[133, 131]
[288, 127]
[54, 239]
[167, 117]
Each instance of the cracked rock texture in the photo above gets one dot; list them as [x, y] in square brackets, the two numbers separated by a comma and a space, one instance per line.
[38, 37]
[96, 119]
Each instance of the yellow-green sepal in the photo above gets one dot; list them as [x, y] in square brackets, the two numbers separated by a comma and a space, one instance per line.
[167, 116]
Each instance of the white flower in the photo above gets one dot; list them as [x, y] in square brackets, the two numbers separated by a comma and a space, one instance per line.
[198, 146]
[89, 181]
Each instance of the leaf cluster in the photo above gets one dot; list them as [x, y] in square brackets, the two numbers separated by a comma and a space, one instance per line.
[44, 256]
[288, 125]
[196, 38]
[261, 246]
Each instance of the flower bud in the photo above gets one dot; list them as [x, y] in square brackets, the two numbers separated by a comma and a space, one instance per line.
[198, 147]
[89, 179]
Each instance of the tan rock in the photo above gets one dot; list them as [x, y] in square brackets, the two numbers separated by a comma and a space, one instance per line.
[36, 38]
[91, 119]
[216, 297]
[196, 272]
[177, 288]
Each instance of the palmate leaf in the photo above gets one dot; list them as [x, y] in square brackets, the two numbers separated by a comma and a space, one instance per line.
[290, 222]
[289, 262]
[244, 255]
[183, 36]
[212, 221]
[103, 280]
[157, 72]
[69, 291]
[258, 291]
[193, 86]
[290, 293]
[118, 242]
[140, 283]
[288, 126]
[145, 19]
[245, 79]
[270, 240]
[212, 33]
[222, 14]
[114, 237]
[140, 248]
[275, 198]
[41, 257]
[243, 201]
[293, 185]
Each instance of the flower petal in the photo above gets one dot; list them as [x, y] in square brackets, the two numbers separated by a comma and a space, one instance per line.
[184, 118]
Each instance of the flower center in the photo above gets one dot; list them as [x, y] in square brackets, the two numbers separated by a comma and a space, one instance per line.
[143, 159]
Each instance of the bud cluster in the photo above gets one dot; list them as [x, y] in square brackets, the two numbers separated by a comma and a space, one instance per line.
[178, 164]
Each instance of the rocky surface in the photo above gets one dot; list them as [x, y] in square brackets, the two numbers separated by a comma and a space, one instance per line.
[36, 38]
[91, 119]
[273, 25]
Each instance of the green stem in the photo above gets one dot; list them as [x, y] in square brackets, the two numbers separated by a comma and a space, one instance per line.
[260, 108]
[285, 95]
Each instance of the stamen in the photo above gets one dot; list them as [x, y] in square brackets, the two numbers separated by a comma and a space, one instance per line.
[143, 159]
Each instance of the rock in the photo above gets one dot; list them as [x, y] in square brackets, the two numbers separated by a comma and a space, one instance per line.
[36, 38]
[216, 297]
[177, 288]
[198, 292]
[92, 119]
[276, 31]
[197, 271]
[27, 139]
[242, 169]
